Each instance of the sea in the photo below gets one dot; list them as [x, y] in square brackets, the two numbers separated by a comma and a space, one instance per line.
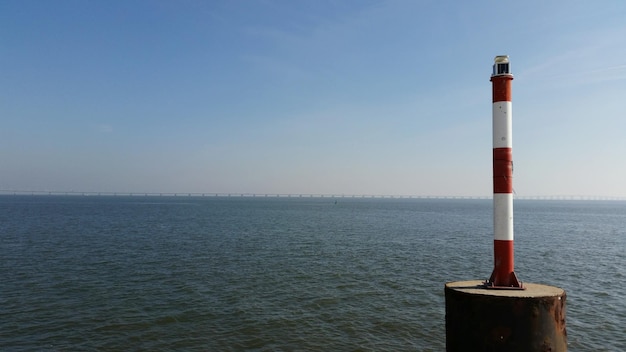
[192, 273]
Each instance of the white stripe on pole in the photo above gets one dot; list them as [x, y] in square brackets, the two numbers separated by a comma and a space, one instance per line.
[503, 216]
[502, 124]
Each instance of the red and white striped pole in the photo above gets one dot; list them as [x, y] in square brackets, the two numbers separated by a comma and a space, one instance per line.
[503, 275]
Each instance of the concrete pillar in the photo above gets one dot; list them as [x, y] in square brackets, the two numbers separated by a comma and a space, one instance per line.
[481, 319]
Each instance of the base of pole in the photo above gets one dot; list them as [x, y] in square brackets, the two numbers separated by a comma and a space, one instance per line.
[511, 280]
[480, 319]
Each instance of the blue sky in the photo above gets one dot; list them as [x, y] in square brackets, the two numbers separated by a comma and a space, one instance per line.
[322, 97]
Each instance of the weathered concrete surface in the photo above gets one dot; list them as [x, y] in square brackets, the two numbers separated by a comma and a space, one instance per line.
[479, 319]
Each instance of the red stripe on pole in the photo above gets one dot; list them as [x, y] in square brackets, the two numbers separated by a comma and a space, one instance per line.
[503, 273]
[502, 170]
[501, 86]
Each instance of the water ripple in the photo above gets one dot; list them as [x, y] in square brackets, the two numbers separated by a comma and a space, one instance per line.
[115, 273]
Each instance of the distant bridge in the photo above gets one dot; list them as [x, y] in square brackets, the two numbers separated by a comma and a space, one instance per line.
[295, 195]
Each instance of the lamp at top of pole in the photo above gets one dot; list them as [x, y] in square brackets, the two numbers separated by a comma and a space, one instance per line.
[501, 66]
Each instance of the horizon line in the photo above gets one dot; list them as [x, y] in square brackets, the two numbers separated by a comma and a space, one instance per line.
[299, 195]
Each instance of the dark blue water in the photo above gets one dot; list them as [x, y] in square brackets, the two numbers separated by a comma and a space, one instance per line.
[286, 274]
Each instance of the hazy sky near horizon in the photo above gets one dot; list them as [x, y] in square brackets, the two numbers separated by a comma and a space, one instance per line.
[314, 97]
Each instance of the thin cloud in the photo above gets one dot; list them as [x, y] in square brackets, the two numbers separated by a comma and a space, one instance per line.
[104, 128]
